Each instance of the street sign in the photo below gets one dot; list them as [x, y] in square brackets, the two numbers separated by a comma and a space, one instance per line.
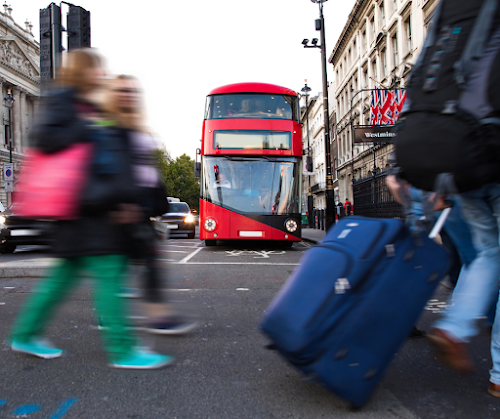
[8, 177]
[8, 171]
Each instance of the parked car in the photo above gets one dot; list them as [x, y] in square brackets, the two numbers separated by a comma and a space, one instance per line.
[16, 231]
[179, 219]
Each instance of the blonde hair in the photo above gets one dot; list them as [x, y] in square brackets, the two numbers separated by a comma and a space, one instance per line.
[78, 61]
[133, 120]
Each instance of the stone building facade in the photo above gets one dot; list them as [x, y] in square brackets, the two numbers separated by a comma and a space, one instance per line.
[317, 150]
[19, 74]
[378, 47]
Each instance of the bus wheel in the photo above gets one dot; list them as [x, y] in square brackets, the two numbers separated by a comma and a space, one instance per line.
[210, 243]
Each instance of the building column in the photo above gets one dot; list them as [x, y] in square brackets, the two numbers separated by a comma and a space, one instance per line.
[23, 140]
[2, 134]
[16, 118]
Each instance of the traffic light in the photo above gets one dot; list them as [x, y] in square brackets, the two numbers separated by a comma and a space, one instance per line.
[309, 164]
[78, 28]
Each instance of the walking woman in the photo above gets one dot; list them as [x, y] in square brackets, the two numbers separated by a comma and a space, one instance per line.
[96, 242]
[124, 105]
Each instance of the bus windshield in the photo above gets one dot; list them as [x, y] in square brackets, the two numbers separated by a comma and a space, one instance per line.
[262, 186]
[252, 105]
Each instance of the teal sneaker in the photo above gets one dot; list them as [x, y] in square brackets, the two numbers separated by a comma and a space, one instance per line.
[36, 347]
[142, 359]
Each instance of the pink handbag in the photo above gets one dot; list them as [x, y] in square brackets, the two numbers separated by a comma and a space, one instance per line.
[50, 185]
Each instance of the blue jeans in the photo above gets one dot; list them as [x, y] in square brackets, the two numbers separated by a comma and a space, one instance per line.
[479, 286]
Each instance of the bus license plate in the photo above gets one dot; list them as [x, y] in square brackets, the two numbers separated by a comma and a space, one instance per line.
[25, 232]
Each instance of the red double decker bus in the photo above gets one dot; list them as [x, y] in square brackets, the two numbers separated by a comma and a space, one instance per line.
[251, 156]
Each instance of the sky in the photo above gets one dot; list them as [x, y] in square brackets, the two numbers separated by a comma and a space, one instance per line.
[182, 49]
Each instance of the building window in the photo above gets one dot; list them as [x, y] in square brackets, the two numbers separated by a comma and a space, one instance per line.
[394, 5]
[355, 50]
[372, 25]
[384, 63]
[382, 14]
[407, 25]
[395, 55]
[365, 77]
[374, 69]
[363, 41]
[349, 62]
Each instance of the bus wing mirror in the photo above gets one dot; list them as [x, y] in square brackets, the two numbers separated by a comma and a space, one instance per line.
[197, 164]
[197, 169]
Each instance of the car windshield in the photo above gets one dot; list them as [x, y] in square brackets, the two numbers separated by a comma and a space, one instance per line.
[252, 105]
[178, 207]
[252, 185]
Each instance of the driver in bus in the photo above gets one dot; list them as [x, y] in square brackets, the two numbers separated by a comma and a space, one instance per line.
[222, 182]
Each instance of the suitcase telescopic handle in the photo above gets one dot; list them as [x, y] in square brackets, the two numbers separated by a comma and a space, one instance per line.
[439, 223]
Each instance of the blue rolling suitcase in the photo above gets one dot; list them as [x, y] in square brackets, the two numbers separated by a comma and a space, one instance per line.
[353, 301]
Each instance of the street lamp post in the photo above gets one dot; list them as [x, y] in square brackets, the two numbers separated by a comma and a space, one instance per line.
[9, 103]
[320, 26]
[306, 89]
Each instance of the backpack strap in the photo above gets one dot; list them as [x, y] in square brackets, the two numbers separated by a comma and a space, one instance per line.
[476, 43]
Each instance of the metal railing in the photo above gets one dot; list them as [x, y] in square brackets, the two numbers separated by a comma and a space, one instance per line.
[373, 199]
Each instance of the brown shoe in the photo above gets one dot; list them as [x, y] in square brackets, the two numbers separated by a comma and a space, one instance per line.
[451, 351]
[494, 389]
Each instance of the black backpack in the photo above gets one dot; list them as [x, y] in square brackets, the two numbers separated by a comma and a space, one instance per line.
[450, 123]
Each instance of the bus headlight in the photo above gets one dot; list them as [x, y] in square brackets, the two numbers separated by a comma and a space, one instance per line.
[291, 225]
[210, 224]
[189, 219]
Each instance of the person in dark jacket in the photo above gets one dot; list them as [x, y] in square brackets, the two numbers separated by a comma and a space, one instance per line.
[124, 105]
[97, 241]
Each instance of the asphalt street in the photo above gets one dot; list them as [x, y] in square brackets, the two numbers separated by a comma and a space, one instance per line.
[222, 369]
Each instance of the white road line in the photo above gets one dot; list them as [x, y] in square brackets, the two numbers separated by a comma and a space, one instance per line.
[183, 261]
[180, 245]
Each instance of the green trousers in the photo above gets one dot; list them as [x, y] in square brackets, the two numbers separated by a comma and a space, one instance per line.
[108, 272]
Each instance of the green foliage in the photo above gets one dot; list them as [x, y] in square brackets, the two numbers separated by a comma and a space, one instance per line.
[177, 174]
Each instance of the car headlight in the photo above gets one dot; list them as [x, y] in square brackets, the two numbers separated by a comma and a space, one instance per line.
[291, 225]
[2, 219]
[210, 224]
[189, 219]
